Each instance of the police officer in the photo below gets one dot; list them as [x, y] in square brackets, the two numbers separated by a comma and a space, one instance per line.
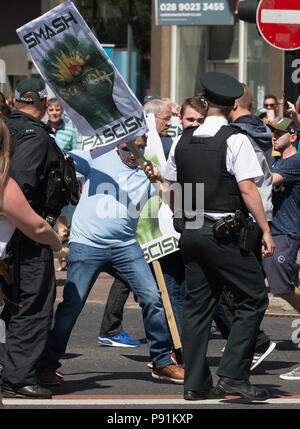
[223, 159]
[31, 264]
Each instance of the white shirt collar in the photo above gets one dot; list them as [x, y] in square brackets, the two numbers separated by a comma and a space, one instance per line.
[210, 126]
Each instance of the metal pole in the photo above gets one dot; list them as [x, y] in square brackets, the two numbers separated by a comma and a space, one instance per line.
[173, 71]
[129, 41]
[242, 52]
[94, 18]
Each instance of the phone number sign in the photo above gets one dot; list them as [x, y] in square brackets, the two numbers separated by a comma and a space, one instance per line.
[178, 12]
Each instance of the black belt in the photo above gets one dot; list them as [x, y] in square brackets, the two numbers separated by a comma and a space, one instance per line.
[206, 221]
[209, 222]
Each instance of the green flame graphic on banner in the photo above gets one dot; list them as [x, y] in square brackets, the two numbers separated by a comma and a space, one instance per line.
[83, 78]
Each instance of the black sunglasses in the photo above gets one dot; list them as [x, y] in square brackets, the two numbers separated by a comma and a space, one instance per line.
[125, 149]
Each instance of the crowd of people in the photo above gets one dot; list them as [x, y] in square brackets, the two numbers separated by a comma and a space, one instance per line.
[248, 233]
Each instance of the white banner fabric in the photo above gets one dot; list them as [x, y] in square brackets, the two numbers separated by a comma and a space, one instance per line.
[79, 72]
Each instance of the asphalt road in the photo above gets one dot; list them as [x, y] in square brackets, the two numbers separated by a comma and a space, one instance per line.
[112, 374]
[113, 380]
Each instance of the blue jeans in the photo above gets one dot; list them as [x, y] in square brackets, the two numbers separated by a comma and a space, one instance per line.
[173, 271]
[85, 263]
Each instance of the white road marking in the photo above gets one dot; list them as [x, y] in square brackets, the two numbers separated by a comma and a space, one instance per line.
[103, 402]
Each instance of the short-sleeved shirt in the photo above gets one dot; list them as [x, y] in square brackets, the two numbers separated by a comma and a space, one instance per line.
[286, 198]
[241, 160]
[112, 199]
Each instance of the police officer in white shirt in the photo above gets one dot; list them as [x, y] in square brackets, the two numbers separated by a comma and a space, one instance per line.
[214, 248]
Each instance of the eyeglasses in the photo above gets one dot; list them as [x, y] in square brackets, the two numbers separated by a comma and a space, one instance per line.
[167, 119]
[126, 150]
[270, 104]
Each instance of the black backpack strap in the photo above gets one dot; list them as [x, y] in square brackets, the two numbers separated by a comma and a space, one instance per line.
[187, 135]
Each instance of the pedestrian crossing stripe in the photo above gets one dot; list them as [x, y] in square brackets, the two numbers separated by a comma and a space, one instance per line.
[138, 400]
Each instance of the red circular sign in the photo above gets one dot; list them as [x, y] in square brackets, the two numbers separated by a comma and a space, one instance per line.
[279, 23]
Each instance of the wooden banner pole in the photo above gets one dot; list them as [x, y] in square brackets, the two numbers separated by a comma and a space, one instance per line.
[160, 278]
[167, 304]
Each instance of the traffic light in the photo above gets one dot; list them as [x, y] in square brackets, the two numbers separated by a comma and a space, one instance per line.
[247, 10]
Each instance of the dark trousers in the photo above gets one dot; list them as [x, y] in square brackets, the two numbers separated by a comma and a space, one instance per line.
[227, 300]
[174, 274]
[209, 265]
[228, 304]
[28, 327]
[113, 314]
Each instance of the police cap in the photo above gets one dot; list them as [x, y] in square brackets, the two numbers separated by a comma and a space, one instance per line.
[220, 88]
[32, 84]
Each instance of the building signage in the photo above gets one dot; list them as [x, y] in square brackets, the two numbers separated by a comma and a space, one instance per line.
[178, 12]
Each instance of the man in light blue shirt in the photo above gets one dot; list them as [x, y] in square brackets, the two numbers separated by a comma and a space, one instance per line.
[103, 239]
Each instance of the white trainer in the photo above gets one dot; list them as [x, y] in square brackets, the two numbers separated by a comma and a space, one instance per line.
[259, 357]
[292, 375]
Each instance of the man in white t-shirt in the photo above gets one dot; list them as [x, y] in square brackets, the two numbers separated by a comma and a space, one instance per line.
[222, 159]
[192, 113]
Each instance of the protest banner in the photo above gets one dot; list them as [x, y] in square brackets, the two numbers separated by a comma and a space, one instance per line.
[175, 129]
[155, 232]
[82, 76]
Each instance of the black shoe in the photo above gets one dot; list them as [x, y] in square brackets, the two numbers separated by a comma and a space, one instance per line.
[195, 395]
[242, 388]
[32, 391]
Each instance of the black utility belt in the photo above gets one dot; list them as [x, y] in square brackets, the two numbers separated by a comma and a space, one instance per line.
[179, 223]
[230, 224]
[239, 225]
[206, 221]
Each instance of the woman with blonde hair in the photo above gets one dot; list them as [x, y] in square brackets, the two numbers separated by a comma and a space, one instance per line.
[15, 212]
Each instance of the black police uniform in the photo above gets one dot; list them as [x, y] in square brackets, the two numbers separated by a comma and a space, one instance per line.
[31, 264]
[211, 263]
